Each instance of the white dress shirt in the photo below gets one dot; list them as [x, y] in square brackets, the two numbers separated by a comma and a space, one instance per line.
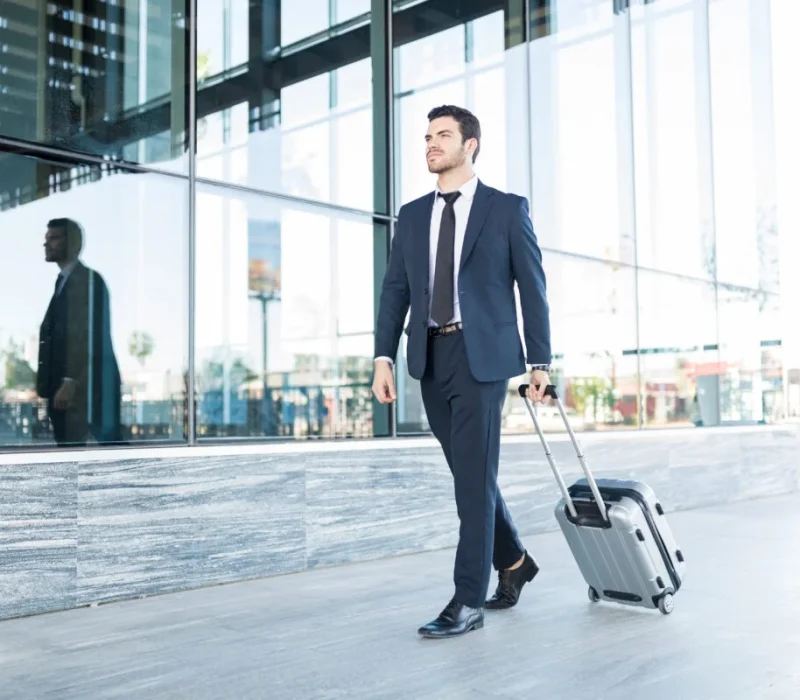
[64, 275]
[462, 207]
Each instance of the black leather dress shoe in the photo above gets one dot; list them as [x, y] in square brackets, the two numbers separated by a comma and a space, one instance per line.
[456, 619]
[510, 585]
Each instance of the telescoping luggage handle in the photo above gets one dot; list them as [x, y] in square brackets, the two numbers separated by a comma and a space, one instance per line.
[551, 392]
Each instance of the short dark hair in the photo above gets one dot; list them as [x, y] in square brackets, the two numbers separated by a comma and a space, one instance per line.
[73, 232]
[467, 122]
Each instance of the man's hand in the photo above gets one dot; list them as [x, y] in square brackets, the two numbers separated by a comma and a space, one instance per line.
[383, 383]
[65, 396]
[538, 378]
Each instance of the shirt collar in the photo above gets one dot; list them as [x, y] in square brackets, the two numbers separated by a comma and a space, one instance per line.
[467, 189]
[67, 270]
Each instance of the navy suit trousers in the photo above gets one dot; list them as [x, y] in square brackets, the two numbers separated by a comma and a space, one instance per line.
[465, 416]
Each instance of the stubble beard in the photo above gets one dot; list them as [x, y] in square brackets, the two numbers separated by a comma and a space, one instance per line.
[456, 161]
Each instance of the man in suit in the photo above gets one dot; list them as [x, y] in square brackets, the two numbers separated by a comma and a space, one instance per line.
[456, 255]
[77, 373]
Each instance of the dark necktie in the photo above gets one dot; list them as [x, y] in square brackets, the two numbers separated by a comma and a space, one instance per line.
[58, 283]
[442, 305]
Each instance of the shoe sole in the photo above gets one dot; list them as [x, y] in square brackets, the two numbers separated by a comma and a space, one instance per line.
[447, 635]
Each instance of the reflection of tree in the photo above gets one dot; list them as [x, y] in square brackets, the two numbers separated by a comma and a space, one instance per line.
[766, 293]
[768, 246]
[591, 391]
[768, 252]
[296, 171]
[709, 249]
[141, 346]
[211, 376]
[203, 73]
[203, 65]
[19, 374]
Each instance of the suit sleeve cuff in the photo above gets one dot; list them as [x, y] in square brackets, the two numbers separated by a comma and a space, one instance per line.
[385, 359]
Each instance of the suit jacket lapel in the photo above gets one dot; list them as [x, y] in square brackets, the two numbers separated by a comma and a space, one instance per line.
[481, 205]
[424, 248]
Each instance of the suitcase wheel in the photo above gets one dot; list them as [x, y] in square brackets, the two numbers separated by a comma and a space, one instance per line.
[666, 604]
[593, 596]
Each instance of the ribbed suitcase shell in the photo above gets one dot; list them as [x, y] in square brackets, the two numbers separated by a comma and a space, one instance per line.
[633, 557]
[617, 531]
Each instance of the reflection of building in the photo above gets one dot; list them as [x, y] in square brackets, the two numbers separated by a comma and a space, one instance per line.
[663, 251]
[67, 73]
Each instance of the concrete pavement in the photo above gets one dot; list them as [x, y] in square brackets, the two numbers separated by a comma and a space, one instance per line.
[350, 631]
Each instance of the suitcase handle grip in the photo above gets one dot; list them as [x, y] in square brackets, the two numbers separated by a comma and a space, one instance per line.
[551, 391]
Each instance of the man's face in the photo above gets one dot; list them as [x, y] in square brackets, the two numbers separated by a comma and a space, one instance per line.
[444, 146]
[55, 245]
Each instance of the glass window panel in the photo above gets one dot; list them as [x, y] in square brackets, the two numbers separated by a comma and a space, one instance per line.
[302, 19]
[268, 269]
[581, 134]
[348, 9]
[487, 37]
[306, 101]
[351, 181]
[274, 127]
[734, 155]
[680, 363]
[222, 36]
[593, 330]
[437, 70]
[306, 161]
[674, 225]
[109, 344]
[106, 79]
[354, 85]
[785, 51]
[432, 58]
[751, 366]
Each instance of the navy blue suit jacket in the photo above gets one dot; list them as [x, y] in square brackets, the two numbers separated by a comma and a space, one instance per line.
[500, 248]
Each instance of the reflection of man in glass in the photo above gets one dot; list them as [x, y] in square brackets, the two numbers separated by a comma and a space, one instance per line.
[78, 373]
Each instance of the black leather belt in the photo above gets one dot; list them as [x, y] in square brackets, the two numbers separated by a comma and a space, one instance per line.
[444, 330]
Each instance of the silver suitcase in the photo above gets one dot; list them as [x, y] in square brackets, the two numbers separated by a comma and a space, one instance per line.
[617, 532]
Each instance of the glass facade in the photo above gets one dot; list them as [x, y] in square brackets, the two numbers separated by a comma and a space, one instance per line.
[197, 201]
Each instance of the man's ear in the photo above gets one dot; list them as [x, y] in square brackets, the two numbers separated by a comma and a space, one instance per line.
[471, 146]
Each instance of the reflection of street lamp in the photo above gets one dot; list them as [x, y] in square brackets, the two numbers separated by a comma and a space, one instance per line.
[264, 296]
